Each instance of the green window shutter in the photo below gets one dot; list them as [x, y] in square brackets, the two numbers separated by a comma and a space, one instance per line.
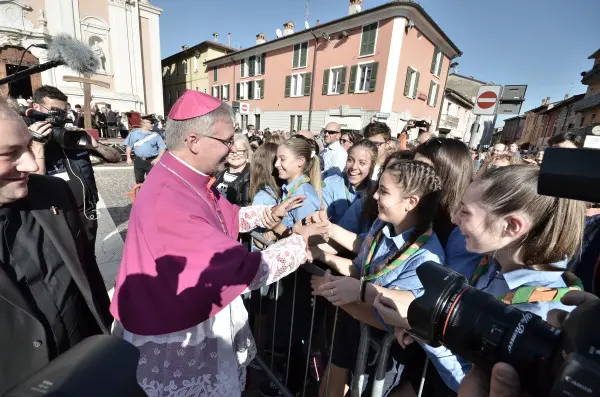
[414, 93]
[438, 72]
[325, 81]
[251, 66]
[430, 92]
[288, 86]
[307, 82]
[296, 61]
[262, 63]
[367, 44]
[435, 98]
[227, 91]
[303, 55]
[250, 90]
[237, 91]
[352, 83]
[435, 52]
[373, 82]
[409, 73]
[218, 91]
[242, 68]
[215, 74]
[261, 84]
[342, 87]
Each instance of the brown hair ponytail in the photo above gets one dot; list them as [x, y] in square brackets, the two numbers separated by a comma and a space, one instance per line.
[307, 149]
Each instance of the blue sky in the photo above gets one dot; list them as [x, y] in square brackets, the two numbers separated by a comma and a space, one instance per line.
[541, 43]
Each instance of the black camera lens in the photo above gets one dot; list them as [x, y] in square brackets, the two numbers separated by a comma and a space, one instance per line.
[483, 330]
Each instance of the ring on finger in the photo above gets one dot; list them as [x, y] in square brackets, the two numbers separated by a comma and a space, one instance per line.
[332, 292]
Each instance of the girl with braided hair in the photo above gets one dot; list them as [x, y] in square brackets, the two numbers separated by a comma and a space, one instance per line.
[399, 241]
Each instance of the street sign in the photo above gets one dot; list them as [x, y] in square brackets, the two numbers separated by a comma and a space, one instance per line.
[487, 100]
[513, 93]
[509, 108]
[244, 108]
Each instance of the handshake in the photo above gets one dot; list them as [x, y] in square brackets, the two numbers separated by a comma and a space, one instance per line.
[315, 228]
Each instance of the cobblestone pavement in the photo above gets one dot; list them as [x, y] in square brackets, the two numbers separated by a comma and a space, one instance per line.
[114, 208]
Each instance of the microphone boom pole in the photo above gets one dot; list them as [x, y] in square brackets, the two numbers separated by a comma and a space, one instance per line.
[30, 71]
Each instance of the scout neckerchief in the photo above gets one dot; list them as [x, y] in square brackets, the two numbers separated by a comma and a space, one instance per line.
[295, 187]
[395, 262]
[346, 183]
[530, 294]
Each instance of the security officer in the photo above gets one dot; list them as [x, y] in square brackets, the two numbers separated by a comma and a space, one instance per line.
[148, 147]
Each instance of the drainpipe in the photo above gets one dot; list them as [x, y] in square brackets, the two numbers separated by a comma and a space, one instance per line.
[312, 82]
[452, 65]
[233, 87]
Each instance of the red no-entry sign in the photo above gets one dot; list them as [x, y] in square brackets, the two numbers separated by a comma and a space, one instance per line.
[487, 100]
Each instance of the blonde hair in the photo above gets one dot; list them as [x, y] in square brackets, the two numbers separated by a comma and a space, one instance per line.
[239, 137]
[509, 157]
[557, 223]
[302, 147]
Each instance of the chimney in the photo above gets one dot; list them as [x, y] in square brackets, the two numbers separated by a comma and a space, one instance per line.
[229, 39]
[260, 38]
[566, 96]
[216, 36]
[185, 47]
[288, 28]
[317, 23]
[547, 100]
[355, 7]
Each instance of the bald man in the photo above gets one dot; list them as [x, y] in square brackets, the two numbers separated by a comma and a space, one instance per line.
[424, 137]
[52, 295]
[499, 149]
[334, 156]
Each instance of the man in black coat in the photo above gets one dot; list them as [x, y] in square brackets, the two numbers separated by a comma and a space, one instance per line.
[51, 292]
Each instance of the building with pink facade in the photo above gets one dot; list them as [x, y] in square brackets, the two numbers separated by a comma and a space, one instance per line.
[388, 63]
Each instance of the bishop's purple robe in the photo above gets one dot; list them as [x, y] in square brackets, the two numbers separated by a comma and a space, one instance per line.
[178, 291]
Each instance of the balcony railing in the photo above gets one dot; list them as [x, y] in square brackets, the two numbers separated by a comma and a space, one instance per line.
[450, 122]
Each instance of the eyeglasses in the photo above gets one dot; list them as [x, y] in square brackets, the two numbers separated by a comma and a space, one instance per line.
[330, 132]
[378, 144]
[239, 153]
[345, 141]
[228, 143]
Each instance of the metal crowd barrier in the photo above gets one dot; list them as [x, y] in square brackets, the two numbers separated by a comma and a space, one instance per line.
[365, 343]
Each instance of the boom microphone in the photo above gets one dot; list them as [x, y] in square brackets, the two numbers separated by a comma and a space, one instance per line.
[63, 50]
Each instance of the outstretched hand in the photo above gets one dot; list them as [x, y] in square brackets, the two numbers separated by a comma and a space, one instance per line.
[339, 291]
[389, 311]
[281, 211]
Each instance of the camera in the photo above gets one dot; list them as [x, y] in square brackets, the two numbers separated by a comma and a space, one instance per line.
[483, 330]
[67, 138]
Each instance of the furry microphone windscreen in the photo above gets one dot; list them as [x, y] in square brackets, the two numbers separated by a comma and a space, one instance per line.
[74, 54]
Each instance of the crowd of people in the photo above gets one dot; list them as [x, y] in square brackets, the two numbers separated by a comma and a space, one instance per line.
[193, 288]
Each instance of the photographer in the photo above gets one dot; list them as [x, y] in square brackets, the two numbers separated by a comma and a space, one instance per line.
[52, 295]
[72, 165]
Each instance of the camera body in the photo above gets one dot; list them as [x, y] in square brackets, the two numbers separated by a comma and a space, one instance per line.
[67, 138]
[484, 330]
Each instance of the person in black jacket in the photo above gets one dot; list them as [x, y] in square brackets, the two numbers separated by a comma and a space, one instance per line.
[52, 295]
[234, 182]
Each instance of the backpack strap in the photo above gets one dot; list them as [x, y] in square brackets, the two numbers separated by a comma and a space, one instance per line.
[543, 294]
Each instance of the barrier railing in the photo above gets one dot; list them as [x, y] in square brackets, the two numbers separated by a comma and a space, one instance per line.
[380, 359]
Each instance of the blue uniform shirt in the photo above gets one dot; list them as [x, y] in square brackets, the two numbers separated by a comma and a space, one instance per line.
[264, 197]
[457, 257]
[404, 278]
[338, 196]
[311, 203]
[352, 220]
[151, 148]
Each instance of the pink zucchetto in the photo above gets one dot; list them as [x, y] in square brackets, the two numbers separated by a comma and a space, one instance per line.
[193, 104]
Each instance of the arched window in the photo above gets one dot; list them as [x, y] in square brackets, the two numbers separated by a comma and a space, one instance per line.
[185, 67]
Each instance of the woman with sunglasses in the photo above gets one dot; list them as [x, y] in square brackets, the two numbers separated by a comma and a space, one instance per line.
[348, 139]
[234, 182]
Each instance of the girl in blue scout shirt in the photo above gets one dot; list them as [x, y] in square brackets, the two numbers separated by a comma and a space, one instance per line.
[362, 213]
[299, 168]
[341, 190]
[264, 183]
[399, 241]
[521, 236]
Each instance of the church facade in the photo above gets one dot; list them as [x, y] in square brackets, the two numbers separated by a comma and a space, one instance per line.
[125, 34]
